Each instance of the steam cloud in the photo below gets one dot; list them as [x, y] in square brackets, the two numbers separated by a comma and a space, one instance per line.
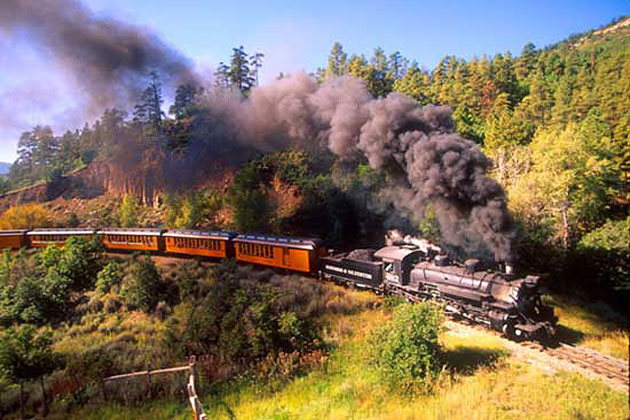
[108, 58]
[438, 166]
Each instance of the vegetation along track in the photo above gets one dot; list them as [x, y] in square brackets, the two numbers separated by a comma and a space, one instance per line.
[564, 356]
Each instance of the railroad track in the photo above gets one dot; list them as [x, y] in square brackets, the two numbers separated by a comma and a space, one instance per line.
[614, 370]
[590, 363]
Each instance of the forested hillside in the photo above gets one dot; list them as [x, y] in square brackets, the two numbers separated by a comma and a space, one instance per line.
[554, 120]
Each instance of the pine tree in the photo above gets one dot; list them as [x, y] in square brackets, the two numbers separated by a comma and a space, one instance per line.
[221, 77]
[255, 63]
[561, 113]
[526, 62]
[185, 96]
[337, 61]
[148, 112]
[239, 73]
[541, 99]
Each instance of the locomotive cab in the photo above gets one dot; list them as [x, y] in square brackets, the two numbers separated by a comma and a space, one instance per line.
[398, 261]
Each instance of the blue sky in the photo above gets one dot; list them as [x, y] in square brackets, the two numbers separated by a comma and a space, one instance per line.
[294, 36]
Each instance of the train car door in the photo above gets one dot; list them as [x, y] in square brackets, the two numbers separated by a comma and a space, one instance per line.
[286, 257]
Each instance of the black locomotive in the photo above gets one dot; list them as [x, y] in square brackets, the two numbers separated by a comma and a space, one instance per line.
[499, 301]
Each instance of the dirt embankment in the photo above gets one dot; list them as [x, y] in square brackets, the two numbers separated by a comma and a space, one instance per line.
[88, 182]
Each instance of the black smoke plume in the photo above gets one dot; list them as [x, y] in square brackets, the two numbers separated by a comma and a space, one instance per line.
[108, 58]
[436, 165]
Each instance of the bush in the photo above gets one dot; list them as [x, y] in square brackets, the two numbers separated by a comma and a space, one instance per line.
[111, 304]
[240, 318]
[393, 301]
[79, 261]
[142, 288]
[613, 235]
[25, 216]
[190, 212]
[128, 213]
[405, 350]
[108, 276]
[73, 220]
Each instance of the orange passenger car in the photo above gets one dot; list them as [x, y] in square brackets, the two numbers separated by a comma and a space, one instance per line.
[131, 239]
[196, 242]
[299, 254]
[13, 239]
[41, 238]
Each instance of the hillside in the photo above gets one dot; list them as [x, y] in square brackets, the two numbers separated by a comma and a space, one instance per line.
[4, 168]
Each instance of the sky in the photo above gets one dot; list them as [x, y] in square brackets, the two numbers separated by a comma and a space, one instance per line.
[294, 36]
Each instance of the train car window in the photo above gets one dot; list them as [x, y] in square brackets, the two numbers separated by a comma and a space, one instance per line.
[389, 267]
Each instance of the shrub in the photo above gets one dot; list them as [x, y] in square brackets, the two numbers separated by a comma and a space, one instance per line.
[613, 235]
[108, 276]
[142, 288]
[73, 220]
[111, 304]
[79, 261]
[25, 216]
[405, 350]
[240, 318]
[393, 301]
[190, 212]
[128, 213]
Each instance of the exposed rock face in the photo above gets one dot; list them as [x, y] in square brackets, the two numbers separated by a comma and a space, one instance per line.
[96, 179]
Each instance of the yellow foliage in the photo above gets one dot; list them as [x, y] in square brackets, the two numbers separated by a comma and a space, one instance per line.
[25, 216]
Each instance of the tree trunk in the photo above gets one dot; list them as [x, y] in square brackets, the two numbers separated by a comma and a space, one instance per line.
[22, 401]
[41, 384]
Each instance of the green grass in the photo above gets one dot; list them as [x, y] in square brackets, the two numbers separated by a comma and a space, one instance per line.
[157, 410]
[480, 381]
[595, 326]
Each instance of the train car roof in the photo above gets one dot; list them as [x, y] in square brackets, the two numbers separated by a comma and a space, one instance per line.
[189, 233]
[132, 231]
[13, 232]
[288, 241]
[395, 252]
[63, 231]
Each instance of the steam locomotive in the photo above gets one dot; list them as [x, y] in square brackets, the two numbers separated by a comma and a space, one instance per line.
[499, 301]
